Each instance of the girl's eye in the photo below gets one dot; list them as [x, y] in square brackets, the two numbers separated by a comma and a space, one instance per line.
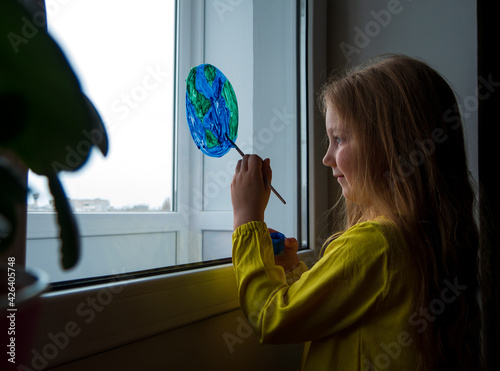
[338, 140]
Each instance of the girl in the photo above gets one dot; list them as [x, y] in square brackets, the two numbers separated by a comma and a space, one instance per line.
[396, 289]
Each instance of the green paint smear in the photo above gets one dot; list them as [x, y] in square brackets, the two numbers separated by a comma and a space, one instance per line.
[200, 102]
[210, 139]
[232, 105]
[210, 73]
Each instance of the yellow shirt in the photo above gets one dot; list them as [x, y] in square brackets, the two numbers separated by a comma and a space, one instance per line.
[352, 308]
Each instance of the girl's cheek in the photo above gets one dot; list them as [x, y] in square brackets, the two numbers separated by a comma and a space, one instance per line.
[344, 162]
[341, 158]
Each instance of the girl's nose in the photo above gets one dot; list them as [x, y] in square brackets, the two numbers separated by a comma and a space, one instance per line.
[329, 160]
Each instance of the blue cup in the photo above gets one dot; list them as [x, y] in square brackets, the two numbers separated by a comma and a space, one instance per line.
[278, 242]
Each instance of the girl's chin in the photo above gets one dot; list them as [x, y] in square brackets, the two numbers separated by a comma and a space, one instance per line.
[346, 191]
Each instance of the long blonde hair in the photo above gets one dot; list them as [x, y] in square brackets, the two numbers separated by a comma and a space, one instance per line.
[411, 164]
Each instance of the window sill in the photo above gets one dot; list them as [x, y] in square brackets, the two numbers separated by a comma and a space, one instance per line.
[84, 321]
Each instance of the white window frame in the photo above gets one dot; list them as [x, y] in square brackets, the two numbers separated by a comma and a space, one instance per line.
[188, 222]
[153, 304]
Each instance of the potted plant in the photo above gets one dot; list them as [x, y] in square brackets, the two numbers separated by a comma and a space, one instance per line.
[45, 117]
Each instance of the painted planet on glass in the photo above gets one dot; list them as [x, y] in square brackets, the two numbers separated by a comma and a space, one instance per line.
[211, 110]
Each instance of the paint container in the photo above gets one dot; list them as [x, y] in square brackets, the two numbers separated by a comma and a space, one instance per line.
[278, 242]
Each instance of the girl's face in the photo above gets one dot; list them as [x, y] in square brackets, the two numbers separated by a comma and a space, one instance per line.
[340, 153]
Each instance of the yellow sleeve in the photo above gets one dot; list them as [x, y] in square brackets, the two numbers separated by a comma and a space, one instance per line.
[295, 273]
[337, 291]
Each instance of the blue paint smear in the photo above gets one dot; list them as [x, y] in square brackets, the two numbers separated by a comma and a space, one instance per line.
[216, 120]
[278, 240]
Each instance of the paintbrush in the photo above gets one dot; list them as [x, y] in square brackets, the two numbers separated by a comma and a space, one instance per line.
[242, 154]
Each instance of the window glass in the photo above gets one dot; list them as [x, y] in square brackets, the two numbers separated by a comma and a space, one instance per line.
[113, 47]
[156, 201]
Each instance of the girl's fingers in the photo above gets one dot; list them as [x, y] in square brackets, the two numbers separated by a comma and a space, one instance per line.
[266, 170]
[292, 243]
[244, 163]
[238, 167]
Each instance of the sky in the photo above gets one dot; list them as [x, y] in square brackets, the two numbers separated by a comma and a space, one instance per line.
[122, 52]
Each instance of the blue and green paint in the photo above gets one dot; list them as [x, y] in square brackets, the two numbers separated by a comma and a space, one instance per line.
[211, 110]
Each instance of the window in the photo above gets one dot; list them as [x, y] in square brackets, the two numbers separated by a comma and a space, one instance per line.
[131, 81]
[156, 201]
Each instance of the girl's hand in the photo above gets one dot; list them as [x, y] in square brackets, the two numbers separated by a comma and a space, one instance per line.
[249, 190]
[289, 259]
